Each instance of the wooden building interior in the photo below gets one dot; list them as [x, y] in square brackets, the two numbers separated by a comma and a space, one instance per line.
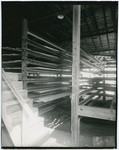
[59, 65]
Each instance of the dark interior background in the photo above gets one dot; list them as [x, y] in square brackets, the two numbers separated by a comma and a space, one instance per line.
[98, 20]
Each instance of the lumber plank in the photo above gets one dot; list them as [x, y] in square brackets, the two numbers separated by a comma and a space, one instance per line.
[12, 49]
[53, 97]
[89, 98]
[96, 112]
[43, 64]
[42, 55]
[11, 62]
[43, 48]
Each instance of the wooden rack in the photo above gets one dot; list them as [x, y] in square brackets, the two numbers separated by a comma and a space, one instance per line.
[95, 102]
[50, 73]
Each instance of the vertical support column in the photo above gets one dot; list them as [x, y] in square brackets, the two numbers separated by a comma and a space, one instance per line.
[24, 53]
[75, 122]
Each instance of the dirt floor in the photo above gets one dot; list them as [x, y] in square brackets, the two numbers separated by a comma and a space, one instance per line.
[94, 132]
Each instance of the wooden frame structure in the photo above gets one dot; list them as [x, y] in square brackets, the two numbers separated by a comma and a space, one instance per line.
[78, 107]
[51, 73]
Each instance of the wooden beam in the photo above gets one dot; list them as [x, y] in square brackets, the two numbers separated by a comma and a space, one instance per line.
[11, 62]
[96, 112]
[43, 48]
[53, 97]
[24, 53]
[3, 55]
[49, 43]
[109, 72]
[89, 64]
[107, 88]
[84, 92]
[48, 88]
[42, 55]
[12, 49]
[51, 72]
[13, 68]
[75, 75]
[48, 79]
[42, 64]
[89, 98]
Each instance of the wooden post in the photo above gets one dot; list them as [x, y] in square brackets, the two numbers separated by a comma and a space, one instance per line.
[24, 53]
[75, 122]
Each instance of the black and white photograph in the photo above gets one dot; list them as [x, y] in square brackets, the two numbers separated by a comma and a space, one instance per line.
[59, 74]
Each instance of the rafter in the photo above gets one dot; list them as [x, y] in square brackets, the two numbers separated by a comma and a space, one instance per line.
[106, 28]
[89, 31]
[94, 22]
[101, 34]
[113, 20]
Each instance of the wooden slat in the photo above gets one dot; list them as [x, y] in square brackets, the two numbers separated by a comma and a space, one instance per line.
[11, 55]
[53, 97]
[49, 43]
[11, 62]
[110, 78]
[43, 48]
[45, 81]
[109, 72]
[12, 68]
[49, 72]
[96, 112]
[44, 68]
[83, 92]
[48, 87]
[98, 78]
[49, 50]
[110, 66]
[43, 64]
[89, 98]
[64, 53]
[89, 64]
[42, 55]
[12, 49]
[86, 62]
[110, 88]
[88, 55]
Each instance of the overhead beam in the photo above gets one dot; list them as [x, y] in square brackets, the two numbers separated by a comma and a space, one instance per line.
[115, 27]
[94, 35]
[94, 22]
[103, 10]
[89, 31]
[102, 50]
[75, 121]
